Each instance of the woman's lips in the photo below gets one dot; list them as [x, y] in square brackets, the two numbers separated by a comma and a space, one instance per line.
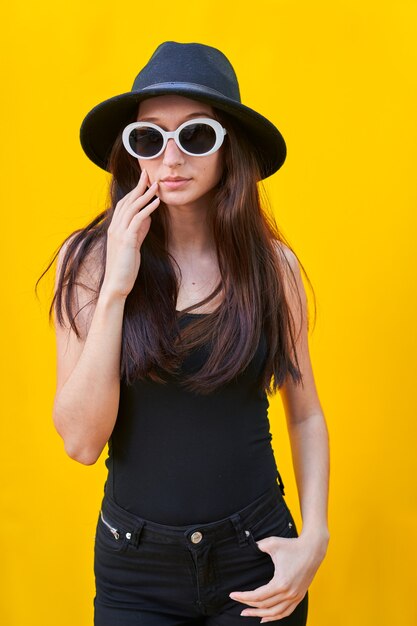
[175, 184]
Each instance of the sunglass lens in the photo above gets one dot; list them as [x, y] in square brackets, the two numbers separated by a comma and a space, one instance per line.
[198, 138]
[145, 141]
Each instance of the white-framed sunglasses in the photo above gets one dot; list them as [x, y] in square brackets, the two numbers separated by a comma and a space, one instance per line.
[200, 136]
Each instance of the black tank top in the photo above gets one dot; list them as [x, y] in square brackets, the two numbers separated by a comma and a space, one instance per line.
[177, 457]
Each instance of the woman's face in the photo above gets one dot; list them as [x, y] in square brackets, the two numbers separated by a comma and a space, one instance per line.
[202, 173]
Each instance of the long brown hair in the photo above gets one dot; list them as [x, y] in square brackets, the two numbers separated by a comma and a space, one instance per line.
[253, 268]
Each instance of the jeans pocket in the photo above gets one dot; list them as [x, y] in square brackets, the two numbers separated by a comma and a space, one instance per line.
[276, 523]
[110, 535]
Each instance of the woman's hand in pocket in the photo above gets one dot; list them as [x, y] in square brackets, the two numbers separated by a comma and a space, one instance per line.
[296, 562]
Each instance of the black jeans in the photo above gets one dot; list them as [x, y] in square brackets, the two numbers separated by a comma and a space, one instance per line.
[149, 574]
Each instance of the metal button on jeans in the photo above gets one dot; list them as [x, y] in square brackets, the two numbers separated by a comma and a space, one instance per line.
[196, 537]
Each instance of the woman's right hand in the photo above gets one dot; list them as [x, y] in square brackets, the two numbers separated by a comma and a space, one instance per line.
[128, 228]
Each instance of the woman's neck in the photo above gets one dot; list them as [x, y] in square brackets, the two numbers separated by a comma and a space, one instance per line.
[189, 232]
[192, 246]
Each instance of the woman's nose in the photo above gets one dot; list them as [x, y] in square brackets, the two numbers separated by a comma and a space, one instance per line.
[172, 154]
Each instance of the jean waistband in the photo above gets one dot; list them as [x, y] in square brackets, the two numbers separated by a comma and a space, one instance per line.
[134, 527]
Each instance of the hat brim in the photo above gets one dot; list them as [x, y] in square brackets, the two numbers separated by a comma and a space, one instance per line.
[103, 123]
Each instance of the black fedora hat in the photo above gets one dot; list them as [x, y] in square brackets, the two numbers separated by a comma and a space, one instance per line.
[192, 70]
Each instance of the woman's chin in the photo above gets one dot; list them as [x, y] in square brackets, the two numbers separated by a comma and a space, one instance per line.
[177, 200]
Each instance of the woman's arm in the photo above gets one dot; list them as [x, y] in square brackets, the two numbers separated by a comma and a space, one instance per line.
[88, 371]
[88, 375]
[307, 427]
[297, 560]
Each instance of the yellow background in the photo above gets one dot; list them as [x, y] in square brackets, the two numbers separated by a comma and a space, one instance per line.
[339, 80]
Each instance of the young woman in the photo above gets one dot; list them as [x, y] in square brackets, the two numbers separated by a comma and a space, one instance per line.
[178, 309]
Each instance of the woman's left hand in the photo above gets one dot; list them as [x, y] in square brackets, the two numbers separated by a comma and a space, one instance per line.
[296, 562]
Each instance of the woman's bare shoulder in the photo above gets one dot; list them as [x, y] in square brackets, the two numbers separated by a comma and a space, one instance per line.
[284, 251]
[291, 270]
[89, 266]
[85, 280]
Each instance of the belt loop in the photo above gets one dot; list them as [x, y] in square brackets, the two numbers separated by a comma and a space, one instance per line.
[137, 533]
[241, 535]
[281, 484]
